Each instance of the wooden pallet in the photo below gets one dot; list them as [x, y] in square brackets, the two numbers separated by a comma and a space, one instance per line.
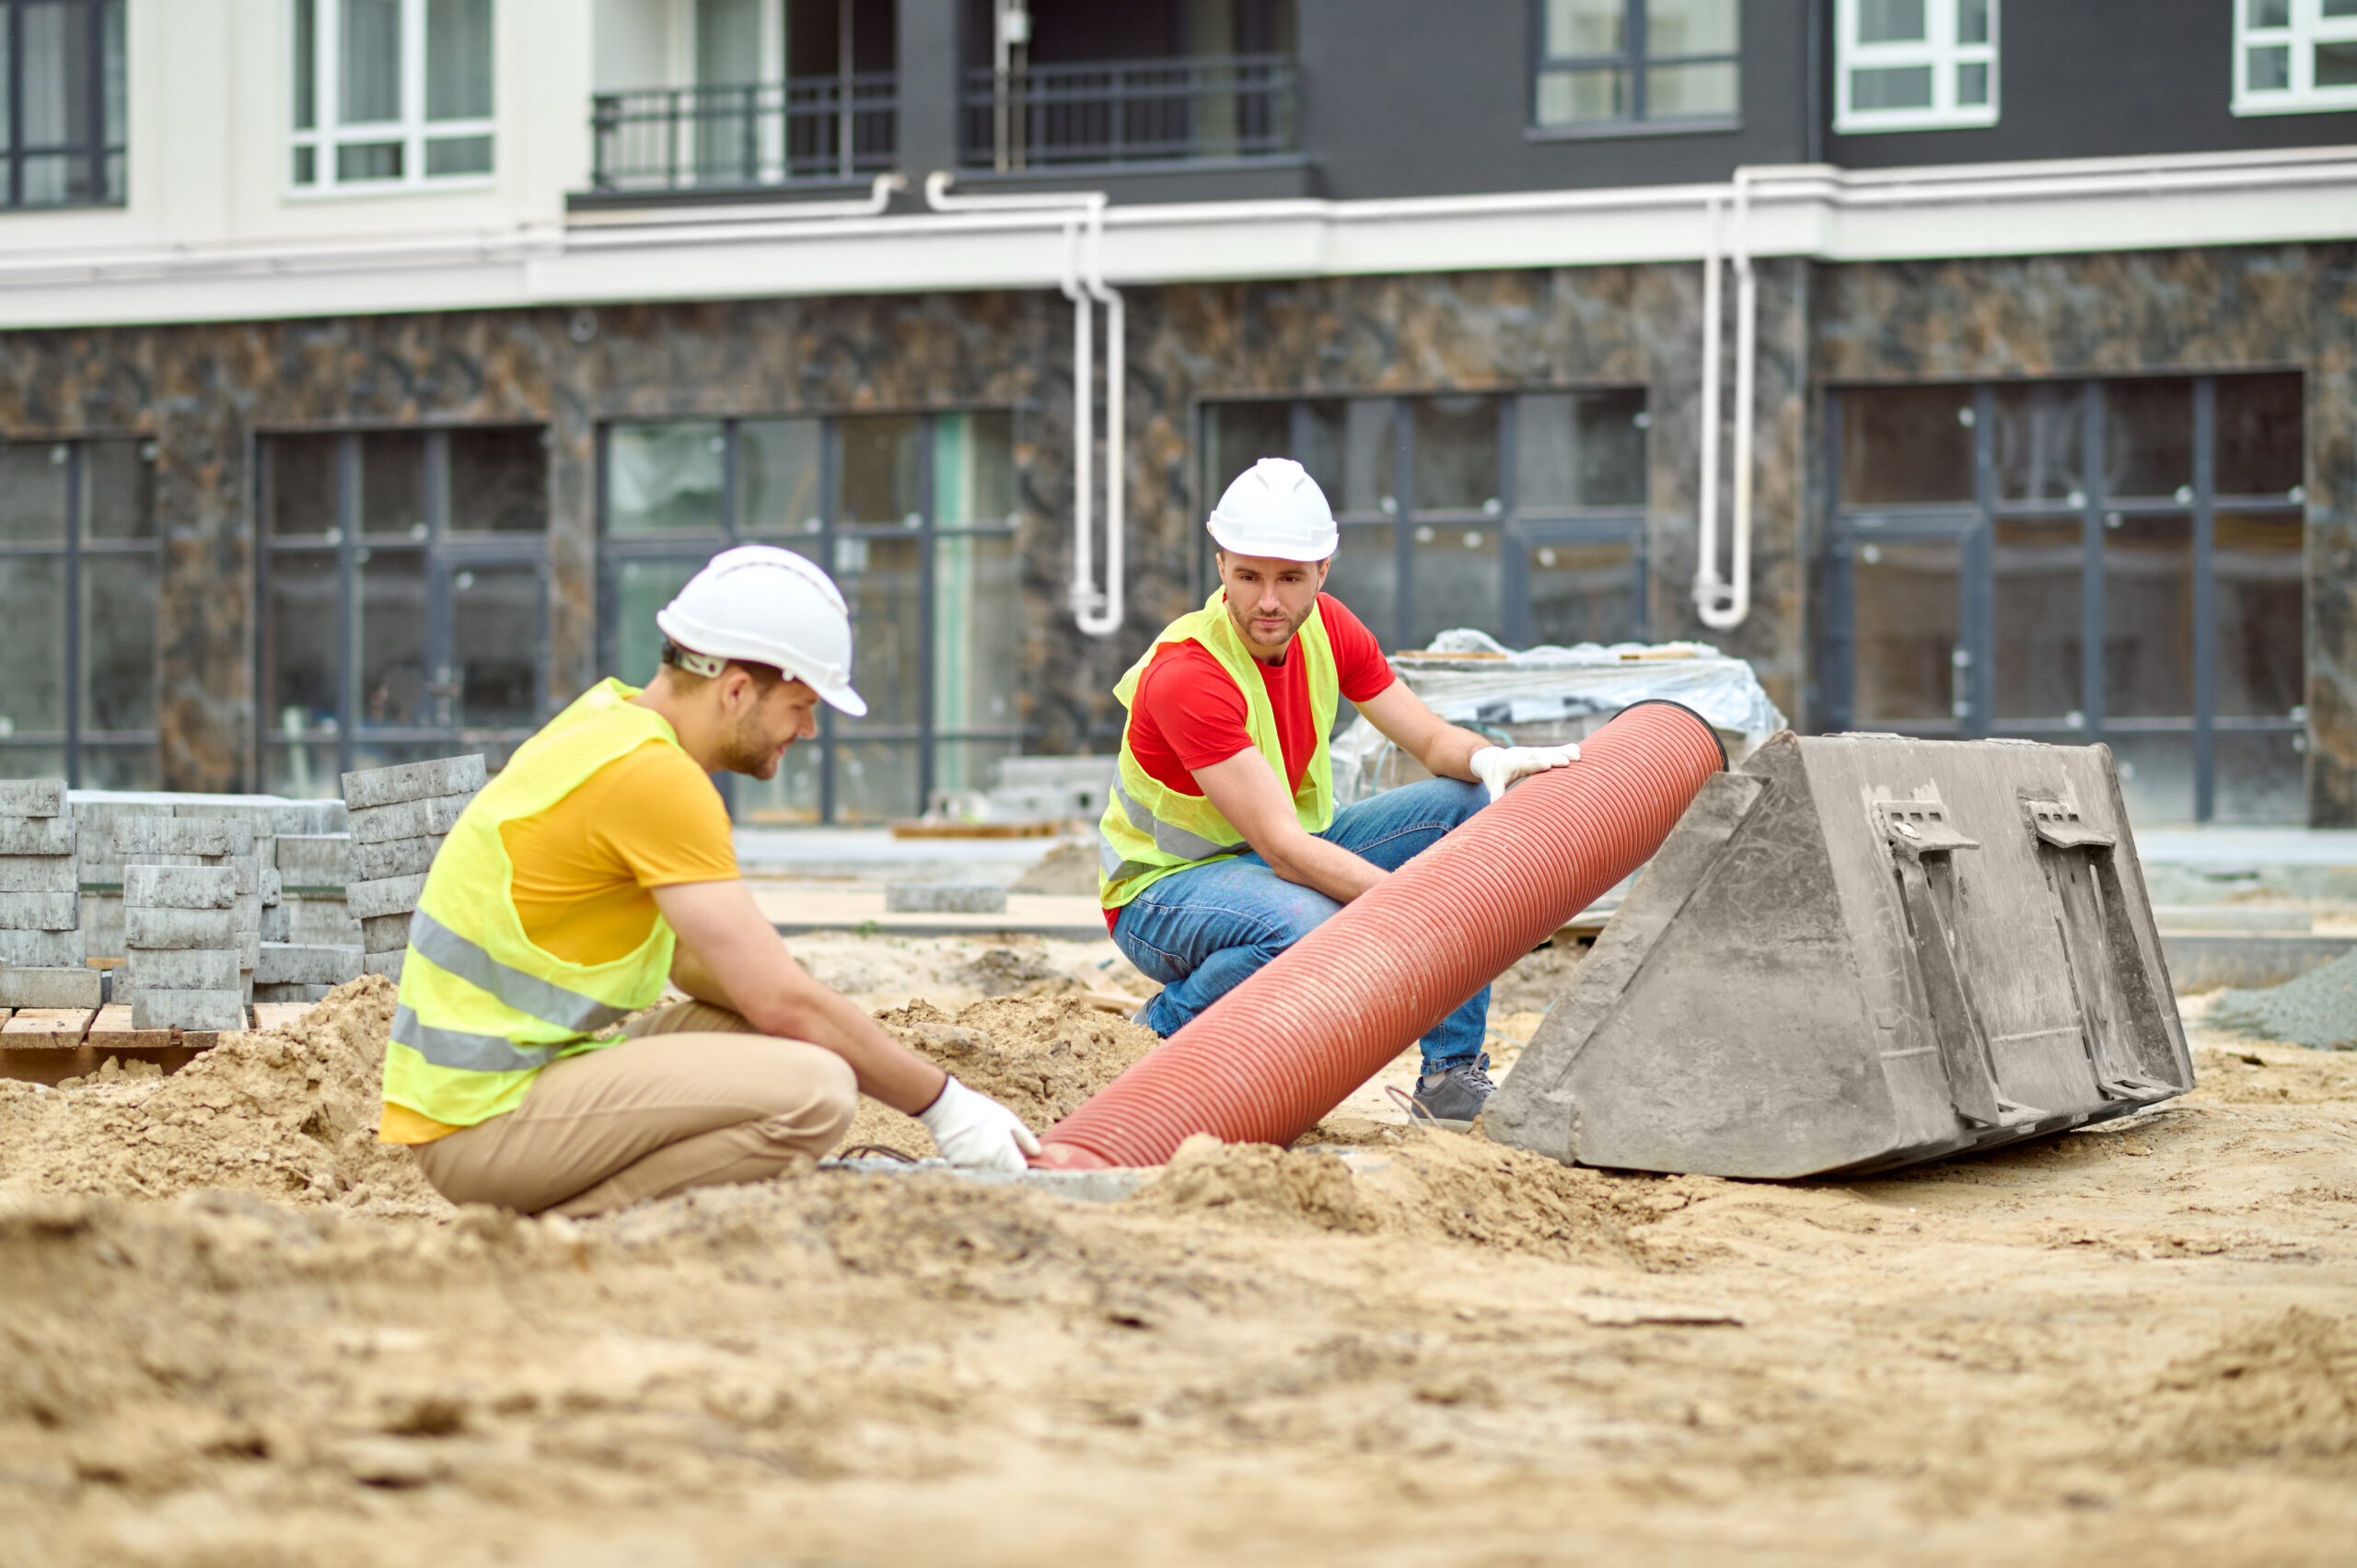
[48, 1045]
[976, 829]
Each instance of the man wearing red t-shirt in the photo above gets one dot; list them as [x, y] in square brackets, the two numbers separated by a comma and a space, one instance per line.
[1222, 847]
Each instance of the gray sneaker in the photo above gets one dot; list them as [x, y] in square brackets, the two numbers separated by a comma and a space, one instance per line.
[1455, 1098]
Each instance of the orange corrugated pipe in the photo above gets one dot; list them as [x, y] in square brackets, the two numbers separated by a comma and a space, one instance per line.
[1264, 1062]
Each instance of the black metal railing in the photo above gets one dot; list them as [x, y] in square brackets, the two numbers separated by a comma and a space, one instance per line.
[758, 134]
[1125, 112]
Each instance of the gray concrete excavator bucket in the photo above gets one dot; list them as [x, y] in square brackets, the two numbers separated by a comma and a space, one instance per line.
[1857, 952]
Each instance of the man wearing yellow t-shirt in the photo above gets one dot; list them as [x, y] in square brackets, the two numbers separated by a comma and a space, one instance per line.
[597, 867]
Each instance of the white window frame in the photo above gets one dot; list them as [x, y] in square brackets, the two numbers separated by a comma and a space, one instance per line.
[1938, 49]
[412, 130]
[2307, 27]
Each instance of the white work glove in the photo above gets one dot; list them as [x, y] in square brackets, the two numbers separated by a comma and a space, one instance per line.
[1498, 766]
[974, 1129]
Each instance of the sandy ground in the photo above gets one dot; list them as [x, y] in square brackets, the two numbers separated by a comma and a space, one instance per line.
[233, 1331]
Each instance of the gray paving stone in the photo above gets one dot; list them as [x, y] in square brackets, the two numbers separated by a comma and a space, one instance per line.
[33, 797]
[180, 887]
[184, 835]
[291, 993]
[409, 819]
[40, 912]
[182, 968]
[37, 835]
[249, 949]
[167, 929]
[391, 895]
[308, 816]
[38, 874]
[386, 964]
[278, 923]
[43, 949]
[394, 857]
[319, 919]
[415, 781]
[213, 1010]
[385, 933]
[944, 897]
[315, 860]
[273, 886]
[282, 964]
[74, 986]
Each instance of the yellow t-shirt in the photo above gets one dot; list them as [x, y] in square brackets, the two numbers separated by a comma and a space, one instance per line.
[586, 867]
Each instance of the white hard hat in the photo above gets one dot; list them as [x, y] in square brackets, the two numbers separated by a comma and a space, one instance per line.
[1274, 508]
[768, 606]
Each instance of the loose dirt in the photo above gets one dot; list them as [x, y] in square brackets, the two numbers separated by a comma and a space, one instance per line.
[2318, 1008]
[2135, 1342]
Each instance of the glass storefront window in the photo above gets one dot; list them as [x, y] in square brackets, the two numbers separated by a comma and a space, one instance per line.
[1366, 576]
[663, 478]
[2147, 617]
[1904, 446]
[2261, 597]
[1456, 571]
[1909, 626]
[1455, 449]
[2040, 441]
[880, 456]
[2260, 439]
[2147, 436]
[1582, 593]
[2039, 567]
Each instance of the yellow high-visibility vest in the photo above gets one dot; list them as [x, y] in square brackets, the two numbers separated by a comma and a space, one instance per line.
[482, 1008]
[1150, 831]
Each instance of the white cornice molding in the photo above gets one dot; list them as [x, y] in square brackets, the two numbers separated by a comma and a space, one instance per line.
[1953, 212]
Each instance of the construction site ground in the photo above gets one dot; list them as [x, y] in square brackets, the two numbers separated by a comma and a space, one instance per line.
[235, 1330]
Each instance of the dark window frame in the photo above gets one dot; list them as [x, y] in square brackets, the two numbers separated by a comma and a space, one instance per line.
[1971, 526]
[835, 731]
[1524, 529]
[108, 159]
[445, 554]
[75, 546]
[1633, 58]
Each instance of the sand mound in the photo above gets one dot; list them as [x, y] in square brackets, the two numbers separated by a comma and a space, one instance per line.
[1039, 1056]
[2286, 1389]
[289, 1114]
[2317, 1009]
[1432, 1187]
[1065, 871]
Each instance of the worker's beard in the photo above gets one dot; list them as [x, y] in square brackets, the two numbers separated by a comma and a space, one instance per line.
[746, 746]
[1242, 622]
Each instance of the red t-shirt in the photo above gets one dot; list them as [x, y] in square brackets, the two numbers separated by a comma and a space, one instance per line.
[1187, 713]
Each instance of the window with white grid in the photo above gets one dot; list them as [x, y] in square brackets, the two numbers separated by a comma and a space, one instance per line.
[390, 93]
[1915, 64]
[2295, 56]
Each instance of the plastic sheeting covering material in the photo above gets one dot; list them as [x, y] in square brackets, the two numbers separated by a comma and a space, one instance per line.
[1546, 696]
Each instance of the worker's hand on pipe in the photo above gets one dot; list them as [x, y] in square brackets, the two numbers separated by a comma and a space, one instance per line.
[1498, 766]
[974, 1129]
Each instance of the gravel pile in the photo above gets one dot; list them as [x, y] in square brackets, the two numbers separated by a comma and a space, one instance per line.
[2318, 1009]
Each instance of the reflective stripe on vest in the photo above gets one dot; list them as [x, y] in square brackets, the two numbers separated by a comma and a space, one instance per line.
[1150, 831]
[483, 1009]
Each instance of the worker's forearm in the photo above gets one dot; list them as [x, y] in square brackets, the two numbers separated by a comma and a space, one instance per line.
[1313, 863]
[886, 1070]
[1449, 754]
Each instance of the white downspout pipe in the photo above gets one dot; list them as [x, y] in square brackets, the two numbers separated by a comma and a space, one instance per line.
[1708, 584]
[1723, 603]
[1098, 613]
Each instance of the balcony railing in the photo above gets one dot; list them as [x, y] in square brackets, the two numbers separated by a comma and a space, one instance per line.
[760, 133]
[1129, 111]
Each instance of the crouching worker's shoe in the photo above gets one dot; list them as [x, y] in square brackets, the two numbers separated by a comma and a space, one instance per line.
[1453, 1099]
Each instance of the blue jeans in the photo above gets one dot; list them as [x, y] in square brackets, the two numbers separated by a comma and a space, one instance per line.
[1203, 931]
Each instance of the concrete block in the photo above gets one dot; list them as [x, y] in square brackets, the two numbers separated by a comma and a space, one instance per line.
[321, 921]
[273, 993]
[314, 860]
[277, 922]
[415, 781]
[102, 924]
[169, 929]
[33, 797]
[305, 817]
[944, 897]
[391, 895]
[180, 887]
[181, 969]
[410, 819]
[43, 949]
[385, 933]
[394, 857]
[40, 912]
[184, 835]
[248, 950]
[386, 964]
[273, 887]
[38, 874]
[285, 965]
[213, 1011]
[77, 986]
[37, 835]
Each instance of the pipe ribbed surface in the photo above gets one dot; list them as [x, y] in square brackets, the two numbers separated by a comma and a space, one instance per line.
[1265, 1061]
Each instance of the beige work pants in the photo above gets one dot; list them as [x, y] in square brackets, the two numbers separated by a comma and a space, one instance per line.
[692, 1098]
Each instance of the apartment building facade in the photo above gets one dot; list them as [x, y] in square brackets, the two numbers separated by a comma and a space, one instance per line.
[371, 369]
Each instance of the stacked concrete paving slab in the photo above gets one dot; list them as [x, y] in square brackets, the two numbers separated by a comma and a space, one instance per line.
[397, 818]
[312, 876]
[42, 949]
[215, 844]
[181, 926]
